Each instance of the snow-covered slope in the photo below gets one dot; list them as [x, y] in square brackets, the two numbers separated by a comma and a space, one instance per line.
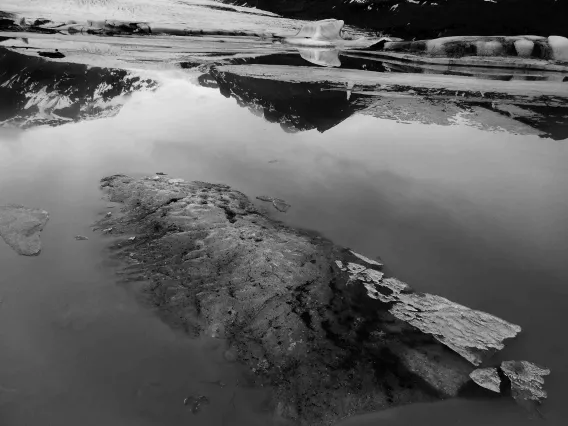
[195, 14]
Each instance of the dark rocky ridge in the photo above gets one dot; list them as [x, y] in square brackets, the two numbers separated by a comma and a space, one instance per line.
[317, 321]
[432, 18]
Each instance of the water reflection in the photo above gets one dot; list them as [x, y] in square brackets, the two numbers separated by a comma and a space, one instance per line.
[296, 107]
[323, 57]
[35, 91]
[301, 106]
[473, 215]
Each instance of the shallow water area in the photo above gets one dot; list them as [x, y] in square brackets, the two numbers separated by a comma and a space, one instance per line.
[465, 198]
[76, 346]
[451, 210]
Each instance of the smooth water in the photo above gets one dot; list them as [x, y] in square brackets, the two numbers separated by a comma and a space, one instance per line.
[476, 216]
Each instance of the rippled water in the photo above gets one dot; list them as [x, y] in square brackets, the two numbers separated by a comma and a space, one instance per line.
[475, 215]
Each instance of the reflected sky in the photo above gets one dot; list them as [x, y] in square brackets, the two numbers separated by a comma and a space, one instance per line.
[476, 216]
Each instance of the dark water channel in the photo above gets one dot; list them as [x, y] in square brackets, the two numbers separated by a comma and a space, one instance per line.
[475, 215]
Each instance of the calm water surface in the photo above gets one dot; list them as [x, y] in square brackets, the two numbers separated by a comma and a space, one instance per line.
[479, 217]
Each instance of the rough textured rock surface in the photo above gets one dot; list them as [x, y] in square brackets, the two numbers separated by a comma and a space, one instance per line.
[291, 305]
[20, 228]
[487, 378]
[526, 380]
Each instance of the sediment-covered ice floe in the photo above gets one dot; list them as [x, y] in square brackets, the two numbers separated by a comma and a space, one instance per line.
[487, 378]
[526, 379]
[523, 379]
[20, 227]
[468, 332]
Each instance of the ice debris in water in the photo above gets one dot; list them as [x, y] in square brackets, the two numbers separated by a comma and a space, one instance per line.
[326, 29]
[278, 203]
[366, 259]
[20, 228]
[526, 379]
[322, 57]
[265, 198]
[470, 333]
[325, 33]
[281, 205]
[487, 378]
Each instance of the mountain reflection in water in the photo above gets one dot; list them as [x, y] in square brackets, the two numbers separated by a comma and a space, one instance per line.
[300, 106]
[37, 91]
[297, 107]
